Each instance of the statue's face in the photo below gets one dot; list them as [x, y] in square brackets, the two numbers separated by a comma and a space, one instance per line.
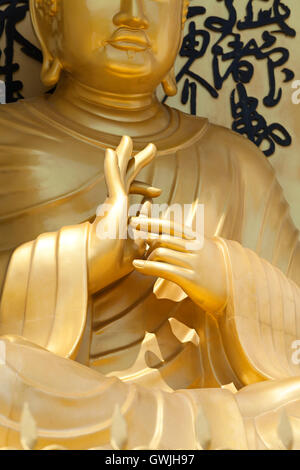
[119, 46]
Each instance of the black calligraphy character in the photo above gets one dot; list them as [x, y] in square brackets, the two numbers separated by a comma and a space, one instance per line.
[192, 49]
[242, 70]
[234, 58]
[277, 14]
[194, 46]
[15, 11]
[248, 121]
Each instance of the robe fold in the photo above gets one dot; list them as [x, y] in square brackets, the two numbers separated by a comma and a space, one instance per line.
[171, 357]
[45, 295]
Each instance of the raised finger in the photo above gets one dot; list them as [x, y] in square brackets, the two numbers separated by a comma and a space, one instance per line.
[138, 162]
[124, 152]
[112, 173]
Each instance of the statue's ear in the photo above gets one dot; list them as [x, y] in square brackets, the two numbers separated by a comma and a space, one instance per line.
[43, 16]
[185, 9]
[169, 82]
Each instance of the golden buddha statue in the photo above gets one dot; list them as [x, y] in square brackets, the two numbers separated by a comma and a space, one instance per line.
[157, 328]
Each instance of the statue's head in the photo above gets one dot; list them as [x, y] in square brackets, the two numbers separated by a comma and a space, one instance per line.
[118, 46]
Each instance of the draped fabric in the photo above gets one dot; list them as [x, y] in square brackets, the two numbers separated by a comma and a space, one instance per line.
[73, 406]
[164, 346]
[262, 318]
[45, 293]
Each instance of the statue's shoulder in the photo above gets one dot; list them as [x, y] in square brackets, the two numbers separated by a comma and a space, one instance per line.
[18, 120]
[209, 135]
[223, 142]
[44, 178]
[194, 126]
[222, 147]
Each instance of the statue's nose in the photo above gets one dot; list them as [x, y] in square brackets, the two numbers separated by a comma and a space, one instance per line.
[131, 14]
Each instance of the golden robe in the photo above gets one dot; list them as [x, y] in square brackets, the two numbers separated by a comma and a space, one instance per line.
[171, 357]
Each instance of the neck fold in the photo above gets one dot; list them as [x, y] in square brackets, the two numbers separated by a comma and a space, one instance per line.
[133, 115]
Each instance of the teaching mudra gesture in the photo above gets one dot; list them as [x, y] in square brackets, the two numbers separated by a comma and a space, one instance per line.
[153, 326]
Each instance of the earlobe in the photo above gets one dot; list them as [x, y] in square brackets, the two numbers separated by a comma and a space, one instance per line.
[169, 83]
[186, 4]
[51, 71]
[52, 67]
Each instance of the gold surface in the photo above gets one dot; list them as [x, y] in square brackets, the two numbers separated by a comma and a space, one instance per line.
[84, 324]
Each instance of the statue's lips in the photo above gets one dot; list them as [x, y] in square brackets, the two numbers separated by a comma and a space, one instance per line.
[129, 40]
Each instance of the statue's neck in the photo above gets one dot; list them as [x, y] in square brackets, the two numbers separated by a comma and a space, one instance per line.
[134, 115]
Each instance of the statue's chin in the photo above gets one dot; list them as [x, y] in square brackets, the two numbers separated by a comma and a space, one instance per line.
[120, 71]
[128, 62]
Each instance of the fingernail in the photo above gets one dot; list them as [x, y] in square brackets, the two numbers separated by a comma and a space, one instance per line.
[138, 263]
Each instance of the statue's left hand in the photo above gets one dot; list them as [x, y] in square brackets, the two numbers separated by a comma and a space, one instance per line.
[201, 273]
[110, 249]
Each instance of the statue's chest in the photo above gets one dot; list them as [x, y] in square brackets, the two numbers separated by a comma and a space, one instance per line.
[159, 342]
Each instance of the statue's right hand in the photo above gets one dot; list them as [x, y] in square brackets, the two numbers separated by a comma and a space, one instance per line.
[110, 250]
